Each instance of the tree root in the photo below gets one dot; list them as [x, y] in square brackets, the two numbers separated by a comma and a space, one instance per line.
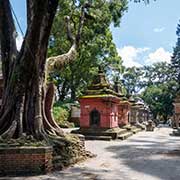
[70, 149]
[9, 133]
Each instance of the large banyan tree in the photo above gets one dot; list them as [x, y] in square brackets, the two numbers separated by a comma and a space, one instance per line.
[27, 95]
[27, 98]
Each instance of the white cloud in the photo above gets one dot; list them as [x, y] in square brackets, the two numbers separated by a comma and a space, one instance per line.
[158, 56]
[130, 55]
[158, 30]
[19, 41]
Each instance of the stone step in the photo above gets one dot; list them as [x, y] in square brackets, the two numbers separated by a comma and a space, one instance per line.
[106, 138]
[141, 126]
[129, 128]
[103, 135]
[134, 131]
[122, 131]
[176, 133]
[125, 135]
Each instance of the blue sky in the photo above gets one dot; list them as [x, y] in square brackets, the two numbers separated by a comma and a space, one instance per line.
[146, 34]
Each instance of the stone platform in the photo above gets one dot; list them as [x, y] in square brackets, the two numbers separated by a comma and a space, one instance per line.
[176, 132]
[133, 129]
[103, 133]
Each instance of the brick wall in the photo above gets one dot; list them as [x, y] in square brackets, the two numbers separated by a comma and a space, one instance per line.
[107, 109]
[25, 160]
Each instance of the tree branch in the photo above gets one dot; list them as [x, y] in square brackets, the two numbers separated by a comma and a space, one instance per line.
[81, 22]
[69, 31]
[60, 61]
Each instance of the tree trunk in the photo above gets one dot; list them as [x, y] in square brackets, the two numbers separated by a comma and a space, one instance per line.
[23, 103]
[27, 101]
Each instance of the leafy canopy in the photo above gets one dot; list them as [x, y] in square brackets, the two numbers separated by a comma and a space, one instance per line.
[96, 48]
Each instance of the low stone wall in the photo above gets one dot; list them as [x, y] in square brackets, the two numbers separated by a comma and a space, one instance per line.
[70, 151]
[25, 160]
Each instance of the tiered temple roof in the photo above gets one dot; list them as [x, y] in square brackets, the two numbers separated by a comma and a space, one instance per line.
[101, 88]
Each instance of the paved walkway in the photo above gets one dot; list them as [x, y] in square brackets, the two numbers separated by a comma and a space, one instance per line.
[144, 156]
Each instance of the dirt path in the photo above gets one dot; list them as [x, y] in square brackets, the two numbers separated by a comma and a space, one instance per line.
[144, 156]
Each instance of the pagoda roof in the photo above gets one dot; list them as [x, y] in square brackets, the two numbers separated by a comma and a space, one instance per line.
[101, 88]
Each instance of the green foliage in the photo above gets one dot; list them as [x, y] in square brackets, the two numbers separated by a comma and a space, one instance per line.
[61, 115]
[175, 60]
[132, 80]
[161, 82]
[157, 73]
[155, 84]
[160, 99]
[96, 48]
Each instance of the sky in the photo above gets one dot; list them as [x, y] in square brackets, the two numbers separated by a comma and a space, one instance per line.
[147, 33]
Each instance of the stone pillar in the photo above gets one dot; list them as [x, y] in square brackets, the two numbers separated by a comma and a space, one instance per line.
[134, 115]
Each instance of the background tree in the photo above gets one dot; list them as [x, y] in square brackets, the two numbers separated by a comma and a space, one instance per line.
[161, 82]
[160, 99]
[132, 80]
[97, 47]
[157, 73]
[154, 84]
[159, 89]
[175, 60]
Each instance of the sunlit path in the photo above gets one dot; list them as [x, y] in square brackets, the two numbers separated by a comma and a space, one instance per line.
[144, 156]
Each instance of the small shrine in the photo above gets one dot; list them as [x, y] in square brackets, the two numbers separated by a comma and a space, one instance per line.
[133, 112]
[141, 111]
[123, 107]
[99, 105]
[137, 113]
[146, 113]
[100, 111]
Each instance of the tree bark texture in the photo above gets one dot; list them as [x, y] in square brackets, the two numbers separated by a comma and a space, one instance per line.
[23, 104]
[27, 99]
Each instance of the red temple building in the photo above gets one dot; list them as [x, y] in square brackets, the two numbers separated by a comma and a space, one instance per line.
[99, 105]
[102, 111]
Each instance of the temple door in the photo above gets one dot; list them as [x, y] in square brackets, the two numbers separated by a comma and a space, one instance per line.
[94, 118]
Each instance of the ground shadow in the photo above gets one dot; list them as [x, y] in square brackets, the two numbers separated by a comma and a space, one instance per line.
[155, 157]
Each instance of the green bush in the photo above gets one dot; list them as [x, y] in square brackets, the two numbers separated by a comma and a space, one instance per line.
[61, 115]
